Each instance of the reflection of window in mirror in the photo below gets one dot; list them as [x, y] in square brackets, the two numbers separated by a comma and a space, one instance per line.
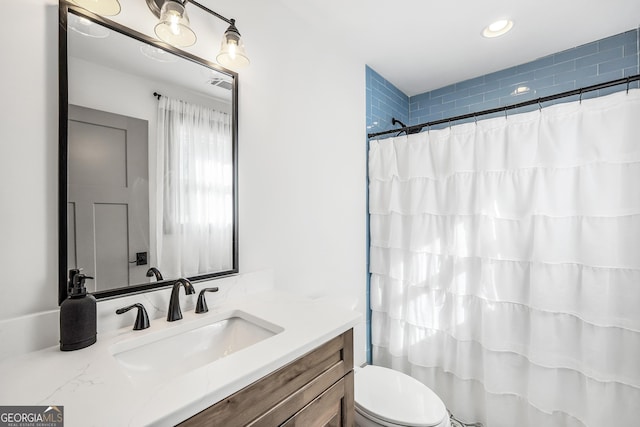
[195, 167]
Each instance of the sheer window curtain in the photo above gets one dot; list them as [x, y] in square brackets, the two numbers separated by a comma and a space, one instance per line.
[194, 197]
[505, 264]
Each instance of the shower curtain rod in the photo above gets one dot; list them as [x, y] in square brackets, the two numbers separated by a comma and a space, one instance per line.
[418, 128]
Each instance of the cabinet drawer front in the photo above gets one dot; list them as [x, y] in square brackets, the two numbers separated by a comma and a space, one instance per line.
[325, 410]
[273, 399]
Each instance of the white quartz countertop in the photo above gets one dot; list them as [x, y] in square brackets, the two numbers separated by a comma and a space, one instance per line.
[95, 390]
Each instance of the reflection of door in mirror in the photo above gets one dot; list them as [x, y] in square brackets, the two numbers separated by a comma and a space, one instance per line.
[108, 204]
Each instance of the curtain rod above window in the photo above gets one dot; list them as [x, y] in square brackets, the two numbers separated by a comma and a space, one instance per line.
[539, 101]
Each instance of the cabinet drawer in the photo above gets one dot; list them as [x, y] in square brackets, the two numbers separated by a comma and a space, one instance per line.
[277, 397]
[330, 409]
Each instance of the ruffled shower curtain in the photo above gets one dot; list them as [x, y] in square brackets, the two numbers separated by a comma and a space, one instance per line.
[505, 264]
[194, 198]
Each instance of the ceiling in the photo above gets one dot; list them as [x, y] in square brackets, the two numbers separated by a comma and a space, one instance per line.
[421, 45]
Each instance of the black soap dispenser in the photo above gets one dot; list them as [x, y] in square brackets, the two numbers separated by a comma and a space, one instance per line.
[77, 315]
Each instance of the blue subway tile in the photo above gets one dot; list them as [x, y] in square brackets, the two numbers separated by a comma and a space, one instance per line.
[425, 119]
[631, 71]
[470, 100]
[556, 89]
[617, 40]
[555, 69]
[470, 83]
[500, 74]
[576, 52]
[499, 93]
[419, 112]
[597, 58]
[437, 100]
[511, 99]
[455, 95]
[442, 107]
[423, 97]
[602, 78]
[517, 79]
[622, 63]
[457, 112]
[541, 83]
[545, 61]
[443, 91]
[486, 105]
[485, 87]
[576, 75]
[630, 49]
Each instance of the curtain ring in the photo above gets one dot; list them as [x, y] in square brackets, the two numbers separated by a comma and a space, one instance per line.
[475, 119]
[505, 113]
[628, 81]
[580, 99]
[539, 105]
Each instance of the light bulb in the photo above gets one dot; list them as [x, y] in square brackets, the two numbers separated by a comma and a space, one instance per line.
[232, 50]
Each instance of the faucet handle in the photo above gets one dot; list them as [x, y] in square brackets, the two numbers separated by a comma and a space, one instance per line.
[142, 319]
[201, 305]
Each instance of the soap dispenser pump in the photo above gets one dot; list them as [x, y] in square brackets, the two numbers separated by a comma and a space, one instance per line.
[77, 315]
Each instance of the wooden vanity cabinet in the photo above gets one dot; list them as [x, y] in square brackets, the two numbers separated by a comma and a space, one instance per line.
[313, 390]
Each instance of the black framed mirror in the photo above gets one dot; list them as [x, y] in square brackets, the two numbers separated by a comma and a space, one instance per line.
[148, 160]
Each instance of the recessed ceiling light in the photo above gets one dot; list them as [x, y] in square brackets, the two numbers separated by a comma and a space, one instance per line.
[498, 28]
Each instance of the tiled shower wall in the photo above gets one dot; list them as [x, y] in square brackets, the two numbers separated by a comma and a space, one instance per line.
[600, 61]
[384, 101]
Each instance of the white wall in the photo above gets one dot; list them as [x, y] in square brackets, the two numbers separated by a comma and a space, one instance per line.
[302, 158]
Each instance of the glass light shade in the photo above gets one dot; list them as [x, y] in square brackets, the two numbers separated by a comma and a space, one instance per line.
[100, 7]
[232, 53]
[173, 27]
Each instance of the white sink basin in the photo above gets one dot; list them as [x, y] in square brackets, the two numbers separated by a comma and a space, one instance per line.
[159, 356]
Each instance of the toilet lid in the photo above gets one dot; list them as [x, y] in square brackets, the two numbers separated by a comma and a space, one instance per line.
[397, 398]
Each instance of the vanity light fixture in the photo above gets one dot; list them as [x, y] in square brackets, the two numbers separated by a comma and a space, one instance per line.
[100, 7]
[497, 28]
[232, 52]
[173, 28]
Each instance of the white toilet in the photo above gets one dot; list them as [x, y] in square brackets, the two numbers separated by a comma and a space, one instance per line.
[385, 397]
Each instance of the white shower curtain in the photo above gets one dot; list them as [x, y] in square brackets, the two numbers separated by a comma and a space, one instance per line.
[505, 264]
[194, 197]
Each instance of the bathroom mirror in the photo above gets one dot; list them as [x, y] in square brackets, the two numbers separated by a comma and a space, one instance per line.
[148, 160]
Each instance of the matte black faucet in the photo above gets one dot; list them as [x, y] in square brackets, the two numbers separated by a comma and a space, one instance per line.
[155, 272]
[201, 305]
[174, 302]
